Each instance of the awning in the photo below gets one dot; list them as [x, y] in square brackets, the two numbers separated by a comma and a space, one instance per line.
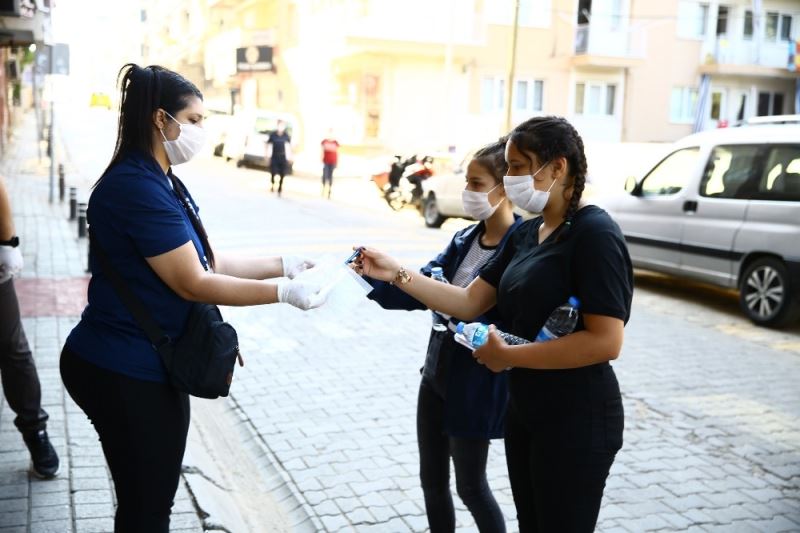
[9, 37]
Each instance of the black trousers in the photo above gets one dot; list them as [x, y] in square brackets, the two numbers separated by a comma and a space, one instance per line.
[558, 461]
[20, 380]
[278, 168]
[469, 458]
[142, 426]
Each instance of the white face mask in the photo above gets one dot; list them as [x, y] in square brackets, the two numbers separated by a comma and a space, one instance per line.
[523, 194]
[189, 143]
[477, 205]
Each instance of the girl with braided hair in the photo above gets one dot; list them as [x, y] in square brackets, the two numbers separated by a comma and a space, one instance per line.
[565, 419]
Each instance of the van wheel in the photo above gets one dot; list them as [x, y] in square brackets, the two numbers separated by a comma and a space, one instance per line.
[765, 293]
[240, 163]
[430, 213]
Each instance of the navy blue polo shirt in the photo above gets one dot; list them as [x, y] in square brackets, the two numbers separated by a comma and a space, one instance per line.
[134, 214]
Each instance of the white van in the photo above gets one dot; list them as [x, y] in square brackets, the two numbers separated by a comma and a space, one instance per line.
[246, 140]
[724, 208]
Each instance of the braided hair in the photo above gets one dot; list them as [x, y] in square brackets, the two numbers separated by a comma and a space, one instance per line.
[549, 138]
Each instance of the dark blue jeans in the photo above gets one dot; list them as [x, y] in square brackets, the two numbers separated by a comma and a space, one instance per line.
[469, 457]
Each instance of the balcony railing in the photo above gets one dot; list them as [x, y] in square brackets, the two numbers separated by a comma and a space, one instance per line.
[763, 53]
[602, 40]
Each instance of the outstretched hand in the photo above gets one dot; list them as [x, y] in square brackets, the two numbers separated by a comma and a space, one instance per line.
[302, 294]
[376, 264]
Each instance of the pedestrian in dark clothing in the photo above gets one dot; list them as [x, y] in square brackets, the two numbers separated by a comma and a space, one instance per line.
[20, 379]
[147, 223]
[461, 404]
[330, 158]
[279, 151]
[565, 417]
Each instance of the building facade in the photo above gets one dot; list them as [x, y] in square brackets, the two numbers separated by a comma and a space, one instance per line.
[423, 76]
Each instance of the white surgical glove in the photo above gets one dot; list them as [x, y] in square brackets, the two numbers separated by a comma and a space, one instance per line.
[294, 265]
[10, 262]
[302, 295]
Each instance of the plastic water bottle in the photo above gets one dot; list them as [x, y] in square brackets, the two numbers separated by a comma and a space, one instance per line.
[475, 334]
[439, 319]
[561, 322]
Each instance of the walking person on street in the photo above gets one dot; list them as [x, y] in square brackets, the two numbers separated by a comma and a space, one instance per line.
[565, 418]
[19, 377]
[147, 224]
[330, 158]
[279, 152]
[461, 404]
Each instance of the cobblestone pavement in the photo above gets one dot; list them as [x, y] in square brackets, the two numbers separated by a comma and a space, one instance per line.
[712, 434]
[712, 403]
[52, 293]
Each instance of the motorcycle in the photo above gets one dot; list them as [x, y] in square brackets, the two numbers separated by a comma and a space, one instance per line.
[402, 185]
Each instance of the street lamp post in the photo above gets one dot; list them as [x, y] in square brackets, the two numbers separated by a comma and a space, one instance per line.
[512, 68]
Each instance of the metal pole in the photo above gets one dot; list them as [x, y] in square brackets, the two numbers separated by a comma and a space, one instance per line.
[512, 69]
[81, 220]
[73, 203]
[52, 148]
[36, 104]
[61, 183]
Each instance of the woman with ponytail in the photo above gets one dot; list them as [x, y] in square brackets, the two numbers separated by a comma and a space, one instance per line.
[565, 418]
[144, 219]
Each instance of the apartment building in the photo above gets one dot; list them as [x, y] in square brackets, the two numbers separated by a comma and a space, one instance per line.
[430, 75]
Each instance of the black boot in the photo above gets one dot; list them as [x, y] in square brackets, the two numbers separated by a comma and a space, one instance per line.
[43, 455]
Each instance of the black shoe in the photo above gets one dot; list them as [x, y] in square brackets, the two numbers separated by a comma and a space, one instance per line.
[43, 455]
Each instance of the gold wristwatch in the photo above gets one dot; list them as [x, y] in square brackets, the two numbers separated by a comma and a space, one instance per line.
[402, 277]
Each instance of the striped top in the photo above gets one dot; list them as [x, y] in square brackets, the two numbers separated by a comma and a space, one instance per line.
[477, 256]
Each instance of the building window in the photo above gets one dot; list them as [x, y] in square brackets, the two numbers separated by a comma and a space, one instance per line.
[683, 105]
[693, 19]
[748, 24]
[786, 27]
[492, 94]
[580, 93]
[616, 14]
[716, 105]
[595, 99]
[770, 104]
[771, 33]
[722, 20]
[532, 13]
[528, 95]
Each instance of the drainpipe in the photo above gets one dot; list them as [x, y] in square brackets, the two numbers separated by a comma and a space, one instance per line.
[758, 16]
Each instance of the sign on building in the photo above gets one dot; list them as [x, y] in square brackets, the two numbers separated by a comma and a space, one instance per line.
[254, 59]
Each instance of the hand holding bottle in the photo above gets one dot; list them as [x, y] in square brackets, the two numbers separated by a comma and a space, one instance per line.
[494, 353]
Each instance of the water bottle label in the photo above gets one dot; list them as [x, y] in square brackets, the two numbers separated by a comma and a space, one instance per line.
[480, 336]
[545, 335]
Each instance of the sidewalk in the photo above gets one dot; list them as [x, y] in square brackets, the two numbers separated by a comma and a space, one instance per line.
[52, 292]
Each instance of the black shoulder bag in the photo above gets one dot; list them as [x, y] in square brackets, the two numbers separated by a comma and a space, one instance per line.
[202, 360]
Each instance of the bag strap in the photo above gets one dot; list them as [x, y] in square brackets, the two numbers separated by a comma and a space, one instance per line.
[158, 339]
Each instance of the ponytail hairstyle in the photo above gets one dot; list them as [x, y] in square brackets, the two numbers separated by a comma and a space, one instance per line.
[492, 157]
[549, 138]
[143, 91]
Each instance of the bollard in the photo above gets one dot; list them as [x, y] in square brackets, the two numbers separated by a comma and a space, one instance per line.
[73, 203]
[61, 183]
[81, 220]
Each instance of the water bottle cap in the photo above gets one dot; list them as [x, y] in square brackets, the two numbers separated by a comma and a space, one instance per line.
[460, 327]
[574, 302]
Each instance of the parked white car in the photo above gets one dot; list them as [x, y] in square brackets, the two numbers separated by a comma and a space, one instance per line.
[441, 196]
[723, 208]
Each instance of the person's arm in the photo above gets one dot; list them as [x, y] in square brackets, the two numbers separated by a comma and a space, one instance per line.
[183, 273]
[600, 342]
[261, 268]
[6, 220]
[469, 302]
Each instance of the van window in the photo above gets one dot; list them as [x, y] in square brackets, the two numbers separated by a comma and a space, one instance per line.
[728, 169]
[780, 179]
[672, 174]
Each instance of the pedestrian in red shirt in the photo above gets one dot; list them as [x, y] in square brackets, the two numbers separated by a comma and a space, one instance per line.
[330, 157]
